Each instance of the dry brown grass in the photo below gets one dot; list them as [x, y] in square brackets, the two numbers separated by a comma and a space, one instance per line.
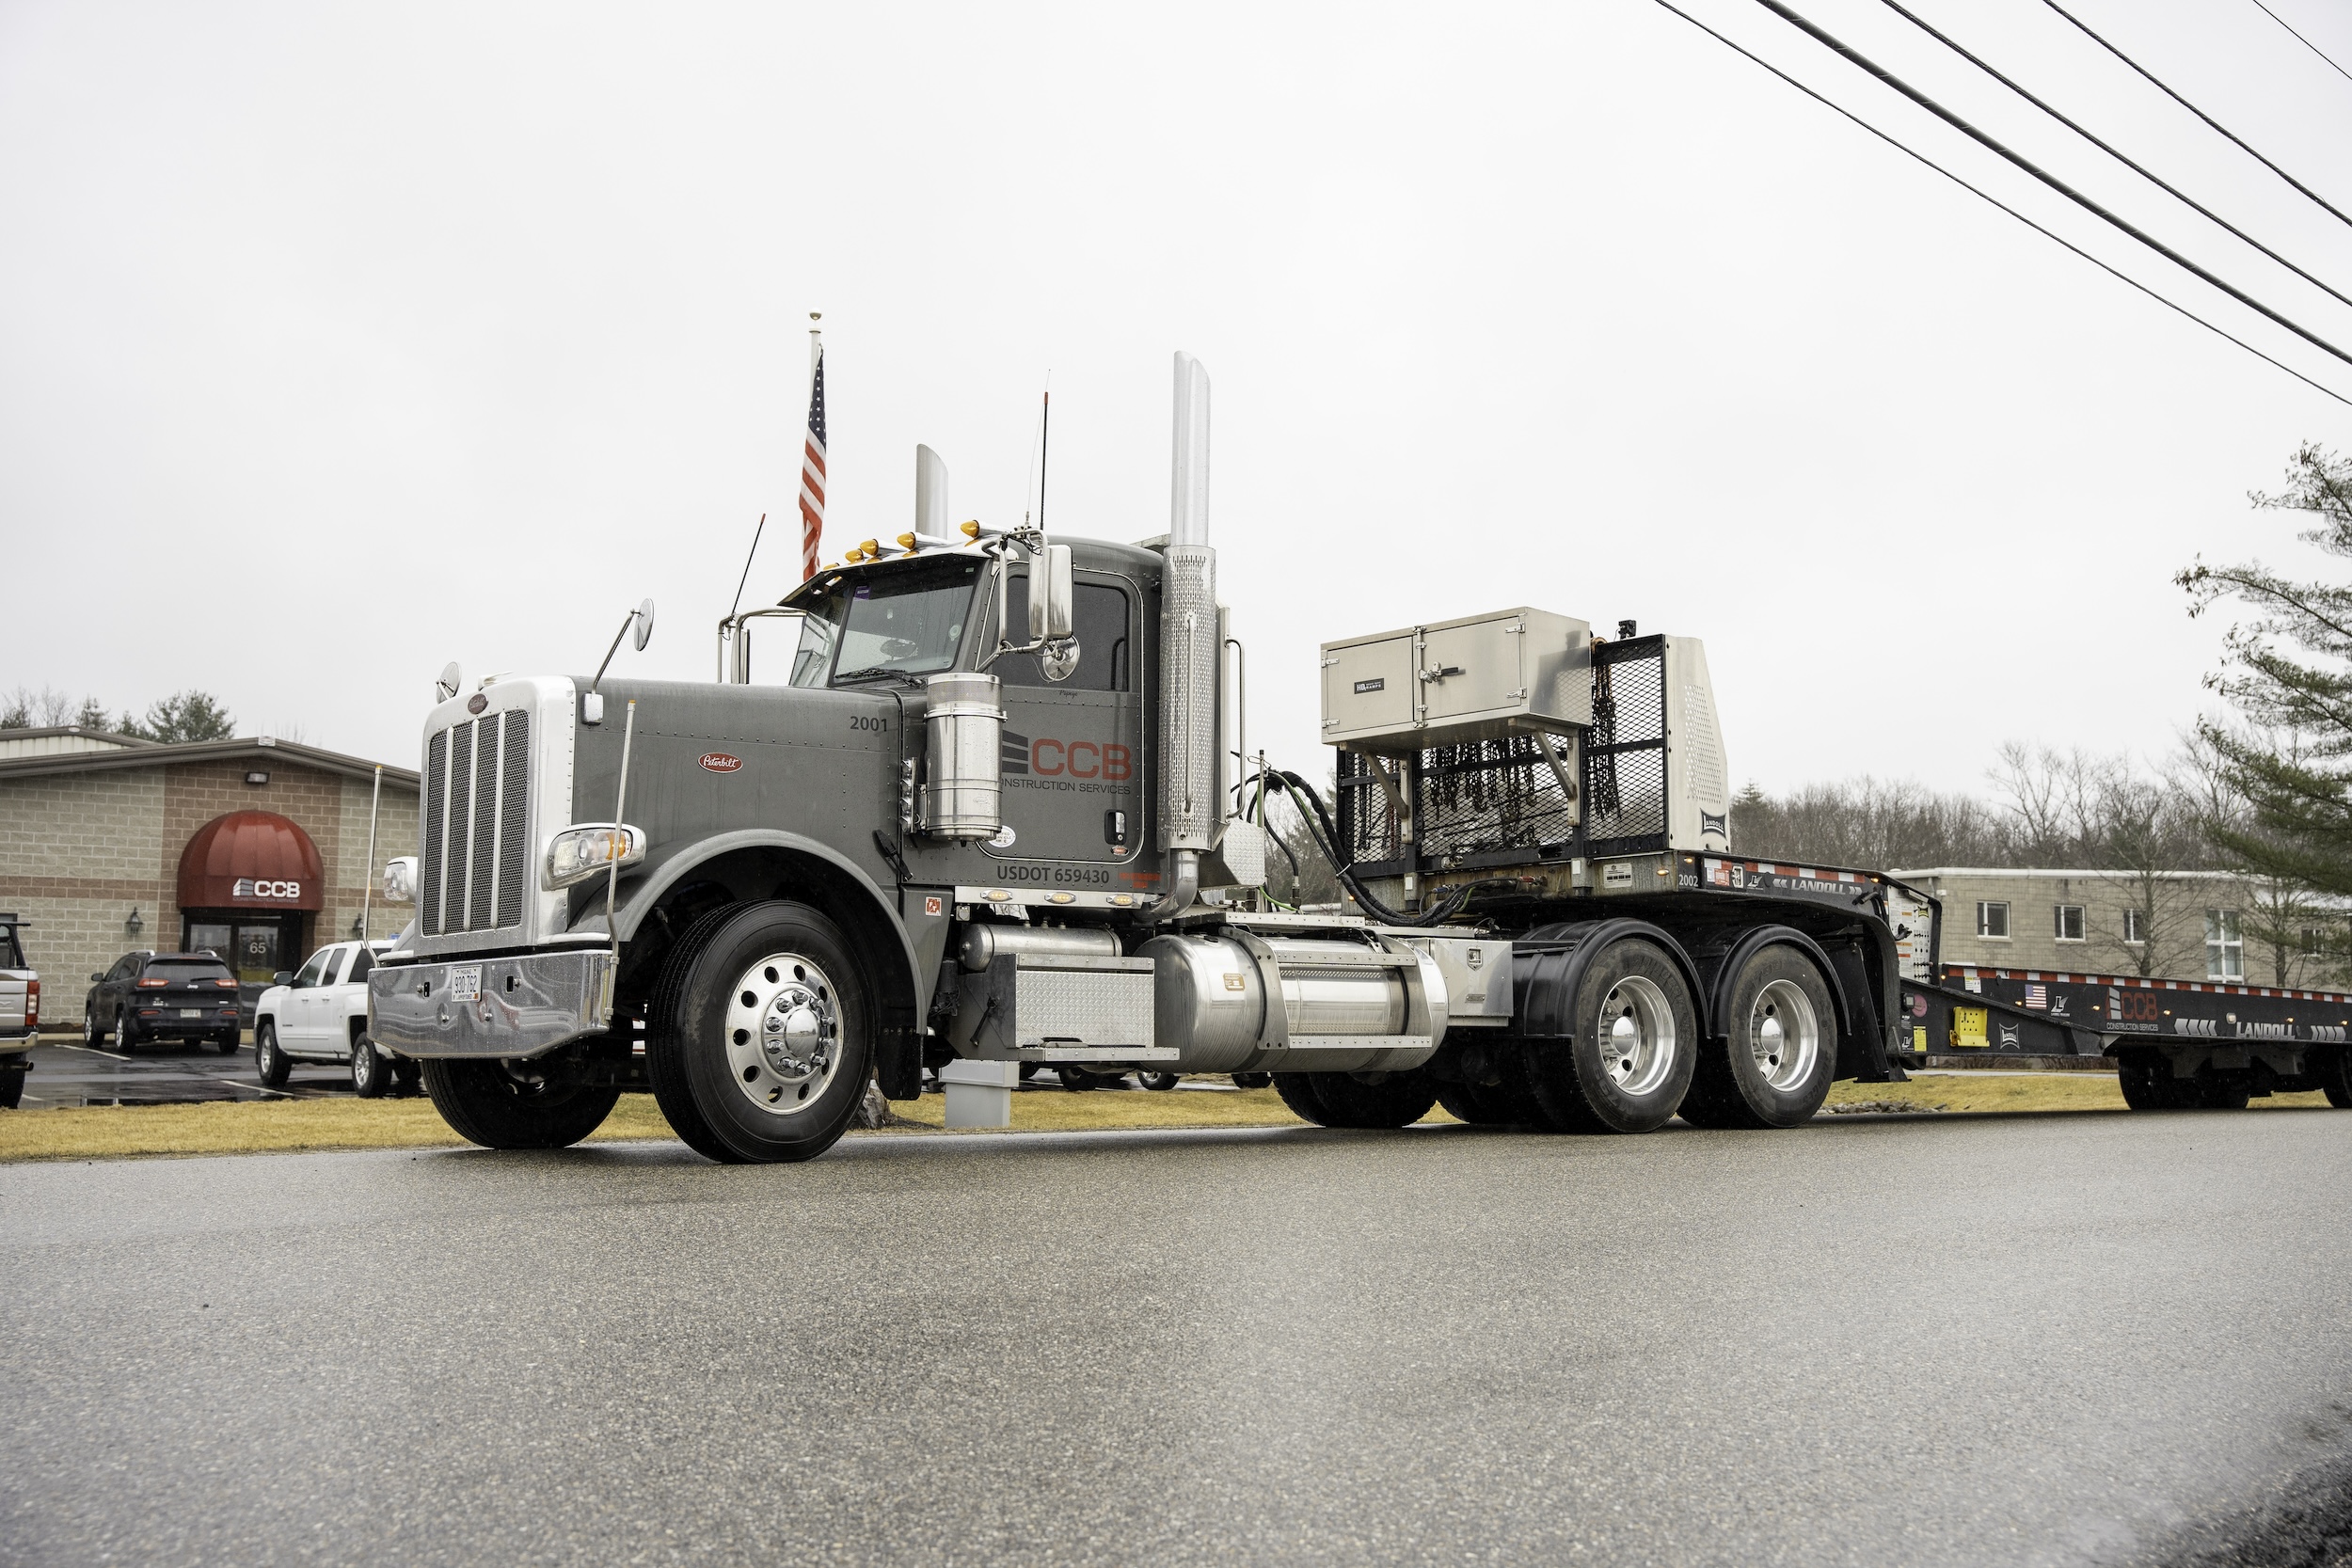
[113, 1133]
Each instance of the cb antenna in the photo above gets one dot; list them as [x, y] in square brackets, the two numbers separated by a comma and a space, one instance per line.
[747, 566]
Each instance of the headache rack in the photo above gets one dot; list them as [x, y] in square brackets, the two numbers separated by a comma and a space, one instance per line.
[1487, 804]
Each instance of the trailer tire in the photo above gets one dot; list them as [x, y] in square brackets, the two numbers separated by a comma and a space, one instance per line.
[763, 1034]
[1779, 1055]
[2216, 1091]
[2334, 1071]
[1297, 1090]
[500, 1104]
[1626, 1065]
[1399, 1099]
[2146, 1082]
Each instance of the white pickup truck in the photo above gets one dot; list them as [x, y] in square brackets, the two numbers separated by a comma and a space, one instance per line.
[320, 1014]
[20, 1014]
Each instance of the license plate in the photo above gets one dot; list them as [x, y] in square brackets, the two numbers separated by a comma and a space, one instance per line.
[465, 983]
[191, 1012]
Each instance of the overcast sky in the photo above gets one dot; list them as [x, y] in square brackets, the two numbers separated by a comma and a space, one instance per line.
[337, 343]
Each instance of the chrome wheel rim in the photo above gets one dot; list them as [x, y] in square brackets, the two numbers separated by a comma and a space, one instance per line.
[784, 1034]
[363, 1064]
[1637, 1035]
[1784, 1034]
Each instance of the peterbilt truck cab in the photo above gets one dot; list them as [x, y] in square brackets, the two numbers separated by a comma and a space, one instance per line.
[992, 813]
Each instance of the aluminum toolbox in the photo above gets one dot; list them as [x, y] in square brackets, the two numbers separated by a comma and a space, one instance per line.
[1510, 672]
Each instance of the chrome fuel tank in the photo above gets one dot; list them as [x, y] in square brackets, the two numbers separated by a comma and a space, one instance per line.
[1345, 1007]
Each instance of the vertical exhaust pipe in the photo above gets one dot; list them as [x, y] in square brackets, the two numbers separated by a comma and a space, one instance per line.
[931, 495]
[1188, 653]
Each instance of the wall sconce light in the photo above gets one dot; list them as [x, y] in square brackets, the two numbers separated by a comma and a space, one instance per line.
[354, 927]
[257, 777]
[133, 925]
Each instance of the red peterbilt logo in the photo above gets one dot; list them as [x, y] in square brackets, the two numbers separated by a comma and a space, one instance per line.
[720, 762]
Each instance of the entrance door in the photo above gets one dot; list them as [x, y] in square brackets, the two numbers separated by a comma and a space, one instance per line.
[256, 946]
[1073, 757]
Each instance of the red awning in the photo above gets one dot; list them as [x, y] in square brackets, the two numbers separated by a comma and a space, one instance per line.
[251, 860]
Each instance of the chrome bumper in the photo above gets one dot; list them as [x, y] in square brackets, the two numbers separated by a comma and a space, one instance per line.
[519, 1005]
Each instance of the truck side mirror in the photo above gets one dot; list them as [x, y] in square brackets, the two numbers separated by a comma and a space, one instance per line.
[283, 976]
[1050, 595]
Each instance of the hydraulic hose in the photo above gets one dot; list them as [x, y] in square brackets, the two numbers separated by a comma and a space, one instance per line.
[1319, 826]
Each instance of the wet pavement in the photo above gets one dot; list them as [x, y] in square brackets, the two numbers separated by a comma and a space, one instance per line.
[75, 1074]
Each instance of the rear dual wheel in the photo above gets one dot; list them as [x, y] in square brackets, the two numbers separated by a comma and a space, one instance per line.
[2334, 1072]
[761, 1034]
[1627, 1064]
[1774, 1067]
[1368, 1100]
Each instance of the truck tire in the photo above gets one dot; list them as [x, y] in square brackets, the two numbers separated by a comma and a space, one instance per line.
[1398, 1099]
[2146, 1079]
[269, 1062]
[1479, 1105]
[1297, 1090]
[509, 1106]
[2333, 1069]
[371, 1074]
[1508, 1102]
[761, 1037]
[1627, 1066]
[13, 1086]
[1779, 1057]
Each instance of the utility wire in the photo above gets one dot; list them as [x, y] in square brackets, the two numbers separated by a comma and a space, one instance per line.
[2162, 184]
[2301, 39]
[1831, 41]
[2201, 114]
[1996, 202]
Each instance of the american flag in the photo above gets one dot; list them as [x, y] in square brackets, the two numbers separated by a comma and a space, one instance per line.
[813, 471]
[2037, 996]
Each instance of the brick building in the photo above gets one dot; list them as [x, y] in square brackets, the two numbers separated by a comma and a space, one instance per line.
[2172, 924]
[256, 849]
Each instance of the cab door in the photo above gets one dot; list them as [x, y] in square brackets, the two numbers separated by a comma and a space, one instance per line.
[1074, 753]
[298, 1015]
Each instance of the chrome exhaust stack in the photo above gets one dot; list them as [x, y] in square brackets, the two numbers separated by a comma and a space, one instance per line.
[1188, 653]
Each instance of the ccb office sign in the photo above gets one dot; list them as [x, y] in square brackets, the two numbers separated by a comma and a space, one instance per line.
[266, 892]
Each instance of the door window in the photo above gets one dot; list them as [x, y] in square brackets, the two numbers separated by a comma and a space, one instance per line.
[211, 937]
[361, 961]
[257, 959]
[316, 967]
[1098, 618]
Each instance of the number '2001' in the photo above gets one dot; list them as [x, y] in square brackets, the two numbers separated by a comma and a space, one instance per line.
[861, 721]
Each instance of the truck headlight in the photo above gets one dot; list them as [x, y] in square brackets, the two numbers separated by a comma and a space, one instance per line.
[400, 880]
[580, 852]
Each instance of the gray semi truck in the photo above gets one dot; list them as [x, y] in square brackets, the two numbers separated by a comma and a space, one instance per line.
[999, 806]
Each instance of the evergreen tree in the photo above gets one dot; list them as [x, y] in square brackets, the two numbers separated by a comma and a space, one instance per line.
[2289, 671]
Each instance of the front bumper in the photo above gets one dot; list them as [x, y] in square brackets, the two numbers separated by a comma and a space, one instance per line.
[522, 1004]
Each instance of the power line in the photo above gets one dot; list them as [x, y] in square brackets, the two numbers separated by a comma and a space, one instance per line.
[2201, 114]
[2301, 39]
[1996, 202]
[1830, 42]
[2162, 184]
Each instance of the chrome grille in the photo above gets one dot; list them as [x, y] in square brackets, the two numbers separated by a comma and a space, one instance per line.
[477, 842]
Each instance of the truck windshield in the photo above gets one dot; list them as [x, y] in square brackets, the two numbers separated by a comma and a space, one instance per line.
[907, 624]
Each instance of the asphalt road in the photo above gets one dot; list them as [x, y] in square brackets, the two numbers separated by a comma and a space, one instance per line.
[2032, 1340]
[76, 1075]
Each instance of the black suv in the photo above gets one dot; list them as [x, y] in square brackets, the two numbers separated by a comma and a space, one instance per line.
[163, 996]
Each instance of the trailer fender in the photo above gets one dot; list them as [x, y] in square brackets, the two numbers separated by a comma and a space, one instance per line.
[1547, 963]
[1723, 969]
[759, 859]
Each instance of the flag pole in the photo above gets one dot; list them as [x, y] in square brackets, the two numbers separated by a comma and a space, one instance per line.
[813, 518]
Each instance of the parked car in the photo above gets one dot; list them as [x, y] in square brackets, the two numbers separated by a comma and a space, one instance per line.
[162, 996]
[20, 1014]
[320, 1014]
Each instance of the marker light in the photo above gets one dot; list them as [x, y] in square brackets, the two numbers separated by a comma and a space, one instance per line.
[906, 543]
[971, 530]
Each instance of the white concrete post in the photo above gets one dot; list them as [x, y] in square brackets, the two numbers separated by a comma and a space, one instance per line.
[980, 1094]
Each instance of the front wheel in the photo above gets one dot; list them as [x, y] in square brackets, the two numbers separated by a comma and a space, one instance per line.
[92, 1035]
[269, 1062]
[762, 1035]
[515, 1104]
[1627, 1066]
[371, 1074]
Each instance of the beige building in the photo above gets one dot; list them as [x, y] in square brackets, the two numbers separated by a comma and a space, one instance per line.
[2173, 925]
[257, 849]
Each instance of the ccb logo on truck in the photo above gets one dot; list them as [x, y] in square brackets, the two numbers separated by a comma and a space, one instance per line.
[1048, 758]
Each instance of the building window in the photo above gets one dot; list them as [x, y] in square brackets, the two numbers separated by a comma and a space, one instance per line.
[2135, 926]
[1992, 919]
[2070, 921]
[2225, 949]
[2315, 941]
